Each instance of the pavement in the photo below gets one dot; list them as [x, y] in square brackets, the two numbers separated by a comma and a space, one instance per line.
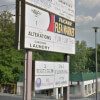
[4, 96]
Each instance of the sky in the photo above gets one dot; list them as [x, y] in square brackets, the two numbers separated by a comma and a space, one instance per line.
[87, 16]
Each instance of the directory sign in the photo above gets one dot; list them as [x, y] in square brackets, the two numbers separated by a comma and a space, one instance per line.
[49, 75]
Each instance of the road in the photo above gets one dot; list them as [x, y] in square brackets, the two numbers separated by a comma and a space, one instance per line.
[14, 97]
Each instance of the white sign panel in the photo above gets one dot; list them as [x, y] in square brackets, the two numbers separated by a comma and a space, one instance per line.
[48, 32]
[51, 74]
[64, 8]
[44, 68]
[44, 82]
[61, 74]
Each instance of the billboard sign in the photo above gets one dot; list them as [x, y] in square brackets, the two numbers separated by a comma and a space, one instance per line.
[48, 32]
[61, 74]
[49, 75]
[63, 8]
[48, 25]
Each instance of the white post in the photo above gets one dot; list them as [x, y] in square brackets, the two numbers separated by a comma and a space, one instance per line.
[18, 90]
[83, 89]
[87, 89]
[55, 92]
[61, 91]
[91, 88]
[33, 93]
[94, 87]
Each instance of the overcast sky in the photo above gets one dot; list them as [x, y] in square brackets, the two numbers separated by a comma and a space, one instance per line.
[87, 16]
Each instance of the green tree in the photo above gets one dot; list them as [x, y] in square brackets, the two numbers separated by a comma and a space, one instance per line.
[48, 56]
[91, 59]
[79, 60]
[99, 57]
[10, 58]
[84, 59]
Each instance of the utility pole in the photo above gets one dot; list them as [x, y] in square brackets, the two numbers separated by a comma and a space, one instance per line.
[95, 30]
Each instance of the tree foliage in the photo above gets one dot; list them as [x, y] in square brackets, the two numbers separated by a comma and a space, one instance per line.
[79, 60]
[84, 59]
[12, 60]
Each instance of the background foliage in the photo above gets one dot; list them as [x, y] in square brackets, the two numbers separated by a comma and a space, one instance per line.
[12, 60]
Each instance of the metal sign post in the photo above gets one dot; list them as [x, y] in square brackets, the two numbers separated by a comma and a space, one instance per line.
[27, 75]
[18, 24]
[67, 89]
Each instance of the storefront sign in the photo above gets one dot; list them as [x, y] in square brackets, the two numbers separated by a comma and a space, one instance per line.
[51, 75]
[64, 8]
[48, 32]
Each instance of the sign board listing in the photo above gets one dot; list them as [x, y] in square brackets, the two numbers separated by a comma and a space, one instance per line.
[48, 35]
[50, 75]
[47, 31]
[63, 8]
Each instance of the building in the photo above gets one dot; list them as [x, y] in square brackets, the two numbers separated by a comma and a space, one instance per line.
[81, 85]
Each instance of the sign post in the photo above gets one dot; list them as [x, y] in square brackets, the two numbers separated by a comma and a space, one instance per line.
[18, 24]
[27, 75]
[67, 89]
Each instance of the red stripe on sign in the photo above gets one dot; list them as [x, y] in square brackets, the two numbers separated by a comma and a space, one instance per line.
[51, 26]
